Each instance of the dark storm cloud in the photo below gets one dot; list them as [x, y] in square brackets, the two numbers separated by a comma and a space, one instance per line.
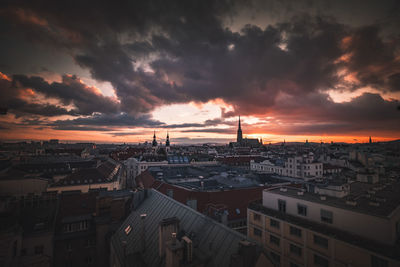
[70, 91]
[374, 61]
[162, 52]
[109, 120]
[210, 130]
[81, 128]
[366, 113]
[12, 98]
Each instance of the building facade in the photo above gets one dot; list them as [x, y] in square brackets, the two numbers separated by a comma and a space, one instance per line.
[303, 229]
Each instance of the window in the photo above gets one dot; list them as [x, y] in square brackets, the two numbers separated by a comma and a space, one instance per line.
[39, 250]
[256, 217]
[274, 223]
[302, 210]
[257, 232]
[275, 257]
[378, 262]
[128, 229]
[320, 261]
[326, 216]
[295, 231]
[281, 205]
[89, 243]
[321, 241]
[295, 250]
[274, 240]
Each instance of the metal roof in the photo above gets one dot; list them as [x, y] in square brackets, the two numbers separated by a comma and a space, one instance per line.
[211, 239]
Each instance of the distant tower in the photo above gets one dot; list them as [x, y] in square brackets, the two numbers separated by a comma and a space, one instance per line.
[154, 144]
[239, 138]
[167, 147]
[370, 140]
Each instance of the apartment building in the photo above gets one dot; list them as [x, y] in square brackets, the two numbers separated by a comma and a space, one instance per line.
[300, 228]
[304, 166]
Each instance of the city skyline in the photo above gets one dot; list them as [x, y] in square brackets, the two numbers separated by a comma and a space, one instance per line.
[293, 71]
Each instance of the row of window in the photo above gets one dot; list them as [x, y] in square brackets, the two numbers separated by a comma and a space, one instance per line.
[318, 260]
[75, 227]
[326, 215]
[38, 250]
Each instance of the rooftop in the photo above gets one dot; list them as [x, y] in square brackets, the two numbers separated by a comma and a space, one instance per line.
[211, 240]
[373, 199]
[211, 178]
[389, 251]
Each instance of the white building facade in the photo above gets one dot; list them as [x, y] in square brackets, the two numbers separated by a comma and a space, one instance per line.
[298, 167]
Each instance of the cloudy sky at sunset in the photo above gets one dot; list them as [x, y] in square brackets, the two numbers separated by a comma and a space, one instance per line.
[293, 70]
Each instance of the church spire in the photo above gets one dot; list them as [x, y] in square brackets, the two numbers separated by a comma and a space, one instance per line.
[154, 139]
[167, 141]
[239, 133]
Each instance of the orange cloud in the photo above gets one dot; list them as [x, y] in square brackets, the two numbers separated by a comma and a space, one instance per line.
[27, 16]
[4, 77]
[345, 43]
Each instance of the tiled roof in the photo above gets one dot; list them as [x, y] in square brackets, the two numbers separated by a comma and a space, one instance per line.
[209, 237]
[104, 173]
[236, 200]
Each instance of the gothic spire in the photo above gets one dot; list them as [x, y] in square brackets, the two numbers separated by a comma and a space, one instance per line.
[239, 133]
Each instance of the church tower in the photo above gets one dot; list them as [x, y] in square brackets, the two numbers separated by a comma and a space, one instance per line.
[167, 145]
[239, 133]
[154, 144]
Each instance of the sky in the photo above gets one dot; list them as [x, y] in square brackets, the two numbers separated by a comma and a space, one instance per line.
[115, 72]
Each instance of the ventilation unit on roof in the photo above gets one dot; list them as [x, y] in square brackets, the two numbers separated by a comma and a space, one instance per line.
[323, 197]
[283, 189]
[371, 192]
[300, 193]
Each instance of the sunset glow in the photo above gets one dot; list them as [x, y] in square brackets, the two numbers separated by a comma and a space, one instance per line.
[329, 80]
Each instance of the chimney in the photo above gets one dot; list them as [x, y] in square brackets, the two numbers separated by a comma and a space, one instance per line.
[174, 252]
[165, 230]
[187, 249]
[248, 254]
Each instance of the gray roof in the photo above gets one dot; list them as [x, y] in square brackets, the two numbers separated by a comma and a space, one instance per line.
[209, 237]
